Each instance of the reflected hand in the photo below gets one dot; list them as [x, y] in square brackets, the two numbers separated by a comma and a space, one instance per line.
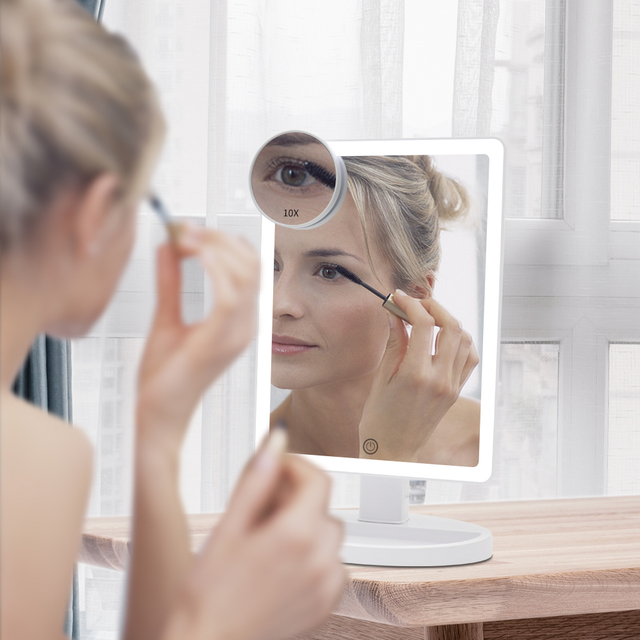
[181, 360]
[413, 389]
[271, 567]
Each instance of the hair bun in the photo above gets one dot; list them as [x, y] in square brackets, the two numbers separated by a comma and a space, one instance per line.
[450, 197]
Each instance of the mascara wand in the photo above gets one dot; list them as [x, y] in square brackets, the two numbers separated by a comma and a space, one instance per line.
[320, 173]
[163, 213]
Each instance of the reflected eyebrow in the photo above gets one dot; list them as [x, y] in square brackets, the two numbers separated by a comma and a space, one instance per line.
[328, 253]
[293, 138]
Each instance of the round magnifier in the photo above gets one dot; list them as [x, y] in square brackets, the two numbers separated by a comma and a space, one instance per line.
[297, 181]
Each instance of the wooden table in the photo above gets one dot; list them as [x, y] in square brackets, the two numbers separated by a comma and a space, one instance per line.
[560, 568]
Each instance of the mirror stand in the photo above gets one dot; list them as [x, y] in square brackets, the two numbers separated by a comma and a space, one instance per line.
[382, 533]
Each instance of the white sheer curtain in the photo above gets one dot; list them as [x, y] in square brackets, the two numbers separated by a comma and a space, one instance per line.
[231, 74]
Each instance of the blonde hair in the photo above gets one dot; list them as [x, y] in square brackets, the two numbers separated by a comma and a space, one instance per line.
[401, 201]
[75, 103]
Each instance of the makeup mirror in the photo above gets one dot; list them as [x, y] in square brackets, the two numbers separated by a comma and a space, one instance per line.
[297, 181]
[328, 335]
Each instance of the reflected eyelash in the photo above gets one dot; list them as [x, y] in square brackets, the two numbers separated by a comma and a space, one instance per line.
[328, 265]
[276, 163]
[315, 170]
[354, 278]
[320, 173]
[388, 303]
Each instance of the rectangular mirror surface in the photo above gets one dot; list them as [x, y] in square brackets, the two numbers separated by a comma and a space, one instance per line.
[359, 390]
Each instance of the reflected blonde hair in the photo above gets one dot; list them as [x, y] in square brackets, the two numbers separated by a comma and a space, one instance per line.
[75, 103]
[402, 202]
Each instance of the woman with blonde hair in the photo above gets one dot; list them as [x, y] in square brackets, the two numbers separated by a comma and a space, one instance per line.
[80, 132]
[362, 384]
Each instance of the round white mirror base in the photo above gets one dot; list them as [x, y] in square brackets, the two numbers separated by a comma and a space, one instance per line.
[383, 534]
[421, 541]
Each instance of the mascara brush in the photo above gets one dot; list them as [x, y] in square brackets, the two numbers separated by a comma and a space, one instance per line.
[387, 303]
[320, 173]
[163, 213]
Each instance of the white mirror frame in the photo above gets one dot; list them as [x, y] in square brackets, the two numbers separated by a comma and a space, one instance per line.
[494, 150]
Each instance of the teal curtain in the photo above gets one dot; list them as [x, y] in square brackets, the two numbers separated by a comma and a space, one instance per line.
[45, 377]
[94, 7]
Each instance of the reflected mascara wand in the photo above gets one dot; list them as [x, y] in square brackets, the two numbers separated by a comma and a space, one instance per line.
[388, 302]
[320, 173]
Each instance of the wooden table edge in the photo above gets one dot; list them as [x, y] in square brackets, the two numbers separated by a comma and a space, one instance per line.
[375, 600]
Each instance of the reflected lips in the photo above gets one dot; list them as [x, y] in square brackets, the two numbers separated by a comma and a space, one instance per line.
[286, 346]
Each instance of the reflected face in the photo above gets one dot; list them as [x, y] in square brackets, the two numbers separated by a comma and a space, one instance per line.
[293, 181]
[325, 327]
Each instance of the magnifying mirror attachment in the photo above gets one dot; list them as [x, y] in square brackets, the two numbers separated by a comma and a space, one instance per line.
[297, 181]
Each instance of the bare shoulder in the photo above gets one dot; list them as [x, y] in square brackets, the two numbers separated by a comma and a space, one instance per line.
[456, 440]
[45, 468]
[37, 445]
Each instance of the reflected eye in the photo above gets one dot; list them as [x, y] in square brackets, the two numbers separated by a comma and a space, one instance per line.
[328, 272]
[293, 175]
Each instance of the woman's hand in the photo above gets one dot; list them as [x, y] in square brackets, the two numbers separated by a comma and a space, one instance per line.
[270, 569]
[413, 389]
[181, 360]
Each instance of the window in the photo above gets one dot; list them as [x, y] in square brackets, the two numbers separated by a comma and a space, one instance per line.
[526, 441]
[623, 450]
[564, 280]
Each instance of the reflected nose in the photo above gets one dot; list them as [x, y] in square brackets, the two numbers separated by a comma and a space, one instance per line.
[287, 295]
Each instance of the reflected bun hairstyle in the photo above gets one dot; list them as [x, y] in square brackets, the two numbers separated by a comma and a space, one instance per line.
[75, 103]
[402, 202]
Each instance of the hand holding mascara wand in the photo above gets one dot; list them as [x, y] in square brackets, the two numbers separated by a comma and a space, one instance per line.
[182, 359]
[415, 385]
[393, 400]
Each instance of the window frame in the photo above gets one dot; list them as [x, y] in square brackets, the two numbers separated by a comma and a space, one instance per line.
[575, 279]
